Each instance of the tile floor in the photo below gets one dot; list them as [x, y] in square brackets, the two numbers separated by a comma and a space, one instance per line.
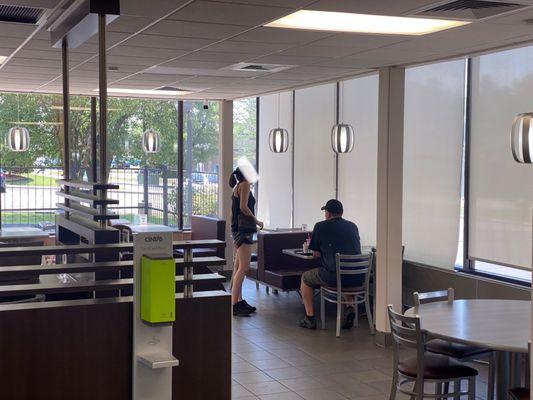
[274, 359]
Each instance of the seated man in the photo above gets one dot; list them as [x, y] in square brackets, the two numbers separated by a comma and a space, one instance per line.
[332, 236]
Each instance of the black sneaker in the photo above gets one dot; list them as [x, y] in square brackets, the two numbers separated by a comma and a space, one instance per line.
[240, 310]
[349, 318]
[308, 323]
[245, 303]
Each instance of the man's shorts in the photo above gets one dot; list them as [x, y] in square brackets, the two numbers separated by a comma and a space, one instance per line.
[312, 278]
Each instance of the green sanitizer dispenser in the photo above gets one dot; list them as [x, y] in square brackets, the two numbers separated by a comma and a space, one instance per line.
[158, 288]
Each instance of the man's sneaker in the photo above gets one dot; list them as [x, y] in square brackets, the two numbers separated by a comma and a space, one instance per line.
[251, 308]
[308, 323]
[240, 310]
[349, 318]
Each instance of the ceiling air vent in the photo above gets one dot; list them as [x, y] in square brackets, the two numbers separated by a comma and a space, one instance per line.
[468, 9]
[254, 67]
[22, 15]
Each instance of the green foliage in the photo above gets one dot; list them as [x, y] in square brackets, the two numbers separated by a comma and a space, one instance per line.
[244, 129]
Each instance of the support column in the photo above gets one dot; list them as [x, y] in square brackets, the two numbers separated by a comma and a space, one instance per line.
[226, 167]
[389, 196]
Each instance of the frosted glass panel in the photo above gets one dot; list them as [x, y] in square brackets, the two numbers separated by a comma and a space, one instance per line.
[434, 120]
[501, 191]
[274, 205]
[314, 162]
[358, 169]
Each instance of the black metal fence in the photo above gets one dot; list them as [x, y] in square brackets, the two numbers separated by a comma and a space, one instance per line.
[29, 195]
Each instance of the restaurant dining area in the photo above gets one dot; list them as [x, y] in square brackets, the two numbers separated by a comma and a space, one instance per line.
[266, 200]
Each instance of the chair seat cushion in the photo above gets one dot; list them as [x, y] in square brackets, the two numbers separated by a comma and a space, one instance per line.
[436, 366]
[519, 394]
[352, 289]
[455, 350]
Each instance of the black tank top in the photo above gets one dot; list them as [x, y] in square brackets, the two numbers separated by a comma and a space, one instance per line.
[236, 210]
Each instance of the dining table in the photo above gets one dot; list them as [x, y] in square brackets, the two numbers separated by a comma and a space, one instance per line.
[500, 325]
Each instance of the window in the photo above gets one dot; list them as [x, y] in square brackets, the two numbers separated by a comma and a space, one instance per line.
[201, 166]
[274, 206]
[245, 130]
[500, 191]
[433, 142]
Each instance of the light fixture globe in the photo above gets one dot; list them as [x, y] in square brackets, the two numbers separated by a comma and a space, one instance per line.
[18, 139]
[151, 141]
[342, 138]
[279, 140]
[522, 138]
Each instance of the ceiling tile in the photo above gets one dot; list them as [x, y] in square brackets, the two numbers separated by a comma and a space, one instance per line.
[284, 36]
[8, 29]
[215, 57]
[235, 46]
[150, 52]
[288, 60]
[228, 13]
[151, 8]
[194, 29]
[129, 24]
[162, 42]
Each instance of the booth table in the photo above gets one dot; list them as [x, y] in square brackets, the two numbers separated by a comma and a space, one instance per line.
[500, 325]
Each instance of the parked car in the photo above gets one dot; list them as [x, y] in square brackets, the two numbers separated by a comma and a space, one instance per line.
[198, 177]
[2, 181]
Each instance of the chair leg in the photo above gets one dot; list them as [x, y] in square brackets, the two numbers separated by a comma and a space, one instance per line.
[322, 310]
[472, 388]
[339, 314]
[257, 285]
[446, 390]
[267, 289]
[415, 390]
[438, 391]
[394, 386]
[275, 291]
[492, 376]
[356, 308]
[457, 389]
[369, 317]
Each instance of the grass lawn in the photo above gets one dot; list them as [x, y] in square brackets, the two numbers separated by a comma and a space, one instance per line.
[34, 180]
[26, 218]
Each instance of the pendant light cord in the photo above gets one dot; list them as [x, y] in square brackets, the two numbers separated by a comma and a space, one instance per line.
[279, 105]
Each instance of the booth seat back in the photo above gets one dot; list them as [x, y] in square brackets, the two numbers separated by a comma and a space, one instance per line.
[270, 247]
[208, 228]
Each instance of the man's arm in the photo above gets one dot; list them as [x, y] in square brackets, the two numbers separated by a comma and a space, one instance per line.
[315, 242]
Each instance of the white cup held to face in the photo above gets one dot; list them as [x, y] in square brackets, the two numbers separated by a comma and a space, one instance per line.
[304, 227]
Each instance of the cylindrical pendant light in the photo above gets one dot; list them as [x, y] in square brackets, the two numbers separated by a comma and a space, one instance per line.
[279, 138]
[342, 138]
[522, 138]
[151, 141]
[342, 135]
[18, 139]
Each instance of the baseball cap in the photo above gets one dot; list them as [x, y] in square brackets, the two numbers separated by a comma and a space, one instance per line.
[333, 206]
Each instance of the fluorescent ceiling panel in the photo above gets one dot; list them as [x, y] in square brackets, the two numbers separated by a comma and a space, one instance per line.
[363, 23]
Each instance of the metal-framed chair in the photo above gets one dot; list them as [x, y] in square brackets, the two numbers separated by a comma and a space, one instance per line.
[460, 352]
[349, 265]
[411, 373]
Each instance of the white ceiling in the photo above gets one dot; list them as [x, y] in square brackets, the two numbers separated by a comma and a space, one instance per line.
[189, 44]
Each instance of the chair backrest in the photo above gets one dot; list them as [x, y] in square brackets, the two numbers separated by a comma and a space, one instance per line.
[406, 333]
[352, 265]
[432, 297]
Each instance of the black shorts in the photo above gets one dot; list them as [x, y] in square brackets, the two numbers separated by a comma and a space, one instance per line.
[240, 238]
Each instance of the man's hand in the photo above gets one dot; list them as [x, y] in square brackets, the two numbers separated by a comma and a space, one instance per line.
[316, 254]
[260, 224]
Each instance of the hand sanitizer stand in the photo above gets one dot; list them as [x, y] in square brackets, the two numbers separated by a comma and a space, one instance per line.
[152, 321]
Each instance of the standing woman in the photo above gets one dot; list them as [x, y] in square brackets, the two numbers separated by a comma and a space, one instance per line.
[243, 226]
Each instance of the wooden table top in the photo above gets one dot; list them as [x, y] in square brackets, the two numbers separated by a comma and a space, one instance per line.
[496, 324]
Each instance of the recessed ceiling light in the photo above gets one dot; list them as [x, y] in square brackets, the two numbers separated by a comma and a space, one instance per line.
[363, 23]
[3, 59]
[147, 92]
